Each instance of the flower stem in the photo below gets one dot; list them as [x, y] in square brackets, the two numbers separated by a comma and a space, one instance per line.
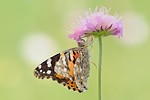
[100, 69]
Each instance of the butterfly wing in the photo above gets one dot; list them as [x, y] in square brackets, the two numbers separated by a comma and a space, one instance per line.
[66, 68]
[47, 69]
[82, 69]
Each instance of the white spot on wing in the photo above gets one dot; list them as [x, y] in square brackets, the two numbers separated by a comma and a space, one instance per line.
[49, 65]
[40, 70]
[65, 69]
[71, 54]
[64, 62]
[49, 62]
[48, 72]
[39, 66]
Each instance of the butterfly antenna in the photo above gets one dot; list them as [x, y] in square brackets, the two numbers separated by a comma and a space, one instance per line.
[91, 47]
[94, 64]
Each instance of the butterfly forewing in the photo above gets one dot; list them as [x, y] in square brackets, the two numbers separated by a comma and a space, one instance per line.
[69, 68]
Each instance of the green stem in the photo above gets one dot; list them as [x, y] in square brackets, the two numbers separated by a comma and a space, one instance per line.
[100, 69]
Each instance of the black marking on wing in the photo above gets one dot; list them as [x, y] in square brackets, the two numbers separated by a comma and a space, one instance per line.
[74, 53]
[57, 56]
[65, 52]
[59, 80]
[54, 60]
[69, 57]
[45, 68]
[74, 60]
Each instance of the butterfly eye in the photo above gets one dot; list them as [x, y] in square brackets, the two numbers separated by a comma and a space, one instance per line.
[81, 43]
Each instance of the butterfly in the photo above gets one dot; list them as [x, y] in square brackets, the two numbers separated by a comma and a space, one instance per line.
[70, 68]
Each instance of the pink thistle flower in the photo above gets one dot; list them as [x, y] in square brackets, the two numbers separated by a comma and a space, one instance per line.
[98, 23]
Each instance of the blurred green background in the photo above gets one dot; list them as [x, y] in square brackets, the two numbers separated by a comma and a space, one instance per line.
[33, 30]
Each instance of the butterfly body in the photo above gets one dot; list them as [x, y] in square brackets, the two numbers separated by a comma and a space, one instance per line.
[70, 68]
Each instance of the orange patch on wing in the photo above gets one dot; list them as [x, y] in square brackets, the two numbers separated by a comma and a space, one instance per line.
[61, 77]
[62, 55]
[72, 85]
[76, 55]
[71, 65]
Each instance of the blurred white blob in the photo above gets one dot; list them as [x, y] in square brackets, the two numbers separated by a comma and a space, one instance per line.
[37, 47]
[135, 29]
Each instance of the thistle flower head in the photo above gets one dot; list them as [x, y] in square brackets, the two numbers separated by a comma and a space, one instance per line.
[98, 22]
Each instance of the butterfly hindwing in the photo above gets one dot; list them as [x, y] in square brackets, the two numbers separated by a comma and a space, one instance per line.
[82, 69]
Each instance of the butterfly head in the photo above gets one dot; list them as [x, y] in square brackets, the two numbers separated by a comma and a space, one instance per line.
[86, 43]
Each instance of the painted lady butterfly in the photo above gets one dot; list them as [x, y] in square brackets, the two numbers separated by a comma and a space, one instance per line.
[70, 68]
